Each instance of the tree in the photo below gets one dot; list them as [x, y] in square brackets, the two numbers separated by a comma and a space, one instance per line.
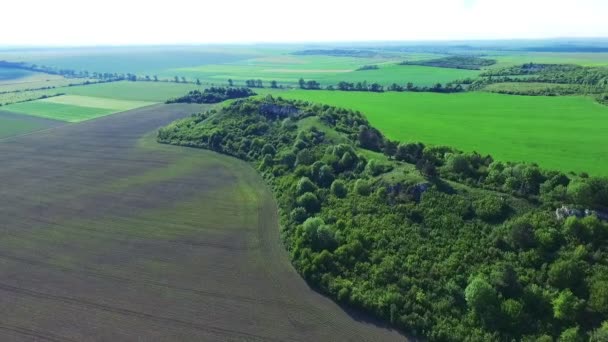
[571, 335]
[566, 306]
[482, 298]
[302, 83]
[198, 82]
[390, 148]
[305, 185]
[600, 334]
[298, 215]
[520, 234]
[598, 296]
[155, 78]
[338, 188]
[183, 79]
[311, 85]
[309, 201]
[230, 82]
[591, 192]
[370, 138]
[273, 84]
[426, 168]
[409, 153]
[176, 79]
[458, 164]
[362, 187]
[565, 273]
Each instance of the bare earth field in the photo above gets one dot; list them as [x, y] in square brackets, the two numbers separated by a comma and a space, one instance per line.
[108, 236]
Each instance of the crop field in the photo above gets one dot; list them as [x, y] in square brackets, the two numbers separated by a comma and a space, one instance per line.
[133, 91]
[15, 124]
[22, 96]
[565, 133]
[9, 74]
[327, 70]
[580, 58]
[402, 74]
[74, 108]
[17, 79]
[525, 86]
[111, 236]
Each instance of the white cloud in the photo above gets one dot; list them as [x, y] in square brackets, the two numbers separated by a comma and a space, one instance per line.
[76, 22]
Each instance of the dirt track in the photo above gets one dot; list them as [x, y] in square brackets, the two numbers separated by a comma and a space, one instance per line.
[108, 236]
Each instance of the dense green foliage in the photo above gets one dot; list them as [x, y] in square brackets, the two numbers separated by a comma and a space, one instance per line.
[455, 62]
[448, 260]
[213, 95]
[368, 67]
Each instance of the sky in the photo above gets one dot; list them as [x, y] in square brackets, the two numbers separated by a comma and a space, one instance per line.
[123, 22]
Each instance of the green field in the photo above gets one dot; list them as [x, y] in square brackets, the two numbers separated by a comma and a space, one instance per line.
[526, 86]
[133, 91]
[73, 108]
[565, 133]
[580, 58]
[327, 70]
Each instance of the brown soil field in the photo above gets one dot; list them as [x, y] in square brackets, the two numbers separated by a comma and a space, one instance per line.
[106, 235]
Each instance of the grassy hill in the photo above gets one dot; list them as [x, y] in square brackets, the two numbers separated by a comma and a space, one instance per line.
[457, 247]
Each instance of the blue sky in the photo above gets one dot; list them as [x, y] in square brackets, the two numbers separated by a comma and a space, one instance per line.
[78, 22]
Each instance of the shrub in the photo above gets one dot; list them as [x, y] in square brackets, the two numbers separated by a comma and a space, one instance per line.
[338, 188]
[490, 208]
[362, 187]
[309, 201]
[305, 185]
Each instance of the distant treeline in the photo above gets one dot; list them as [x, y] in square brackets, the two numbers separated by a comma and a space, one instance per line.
[573, 79]
[213, 95]
[554, 73]
[337, 53]
[567, 48]
[378, 88]
[454, 62]
[368, 67]
[68, 73]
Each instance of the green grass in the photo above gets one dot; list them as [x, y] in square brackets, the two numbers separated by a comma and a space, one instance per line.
[133, 91]
[73, 108]
[566, 133]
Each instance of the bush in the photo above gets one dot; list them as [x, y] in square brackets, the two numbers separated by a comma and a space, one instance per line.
[298, 215]
[305, 185]
[571, 335]
[309, 201]
[490, 209]
[338, 188]
[362, 187]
